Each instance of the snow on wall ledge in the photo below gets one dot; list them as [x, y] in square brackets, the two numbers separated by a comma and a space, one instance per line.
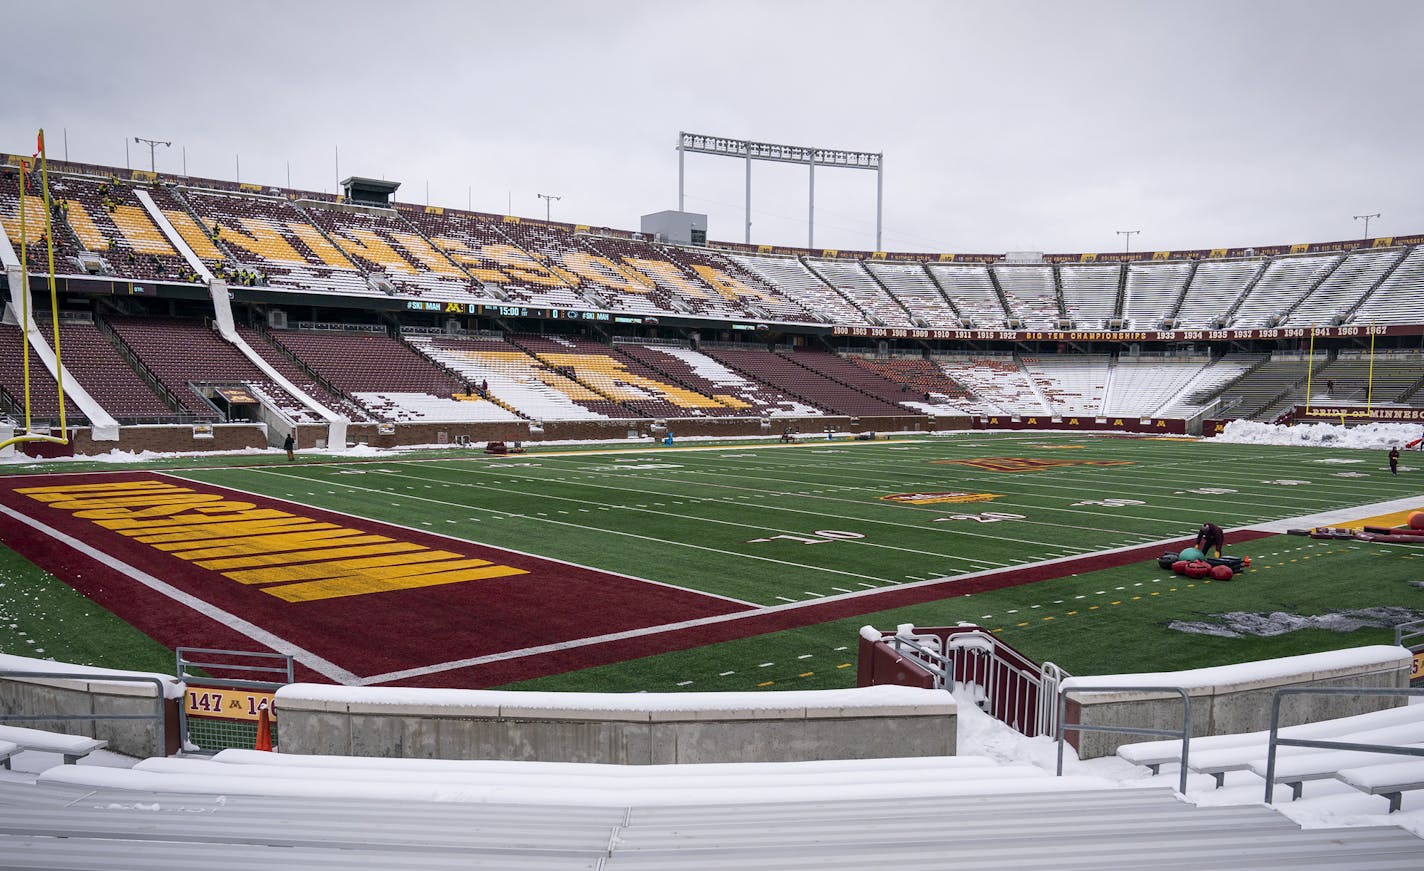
[1267, 672]
[1231, 699]
[862, 701]
[172, 687]
[617, 728]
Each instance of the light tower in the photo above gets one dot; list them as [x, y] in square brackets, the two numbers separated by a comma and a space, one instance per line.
[152, 146]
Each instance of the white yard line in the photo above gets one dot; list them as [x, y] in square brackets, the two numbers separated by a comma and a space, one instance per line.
[1344, 515]
[463, 506]
[358, 518]
[502, 656]
[756, 528]
[226, 618]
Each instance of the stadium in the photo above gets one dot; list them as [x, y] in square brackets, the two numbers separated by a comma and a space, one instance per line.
[376, 530]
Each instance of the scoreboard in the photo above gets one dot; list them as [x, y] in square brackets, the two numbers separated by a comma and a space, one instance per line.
[509, 311]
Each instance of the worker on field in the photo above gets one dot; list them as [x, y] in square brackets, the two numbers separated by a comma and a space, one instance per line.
[290, 447]
[1210, 537]
[1394, 460]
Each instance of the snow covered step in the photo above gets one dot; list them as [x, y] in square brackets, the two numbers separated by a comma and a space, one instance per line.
[574, 775]
[36, 853]
[1323, 765]
[1392, 779]
[1251, 840]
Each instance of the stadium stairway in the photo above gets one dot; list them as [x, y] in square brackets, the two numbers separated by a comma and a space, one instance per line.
[244, 809]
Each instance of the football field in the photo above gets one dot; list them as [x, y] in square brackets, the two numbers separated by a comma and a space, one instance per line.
[711, 567]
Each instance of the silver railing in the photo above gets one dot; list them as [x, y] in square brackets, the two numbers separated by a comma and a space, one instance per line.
[215, 734]
[92, 677]
[1411, 635]
[1005, 684]
[1185, 733]
[1278, 741]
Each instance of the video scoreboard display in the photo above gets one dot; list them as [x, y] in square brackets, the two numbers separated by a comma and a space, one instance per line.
[509, 311]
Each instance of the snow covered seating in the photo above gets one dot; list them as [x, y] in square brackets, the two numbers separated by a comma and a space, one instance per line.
[1233, 699]
[1310, 751]
[1391, 780]
[71, 747]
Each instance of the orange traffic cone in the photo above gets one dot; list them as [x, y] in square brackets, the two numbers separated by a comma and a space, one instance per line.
[264, 730]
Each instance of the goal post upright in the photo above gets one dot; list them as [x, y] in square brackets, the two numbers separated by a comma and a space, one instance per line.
[26, 318]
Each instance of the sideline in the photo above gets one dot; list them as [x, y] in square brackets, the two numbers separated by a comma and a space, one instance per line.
[1344, 516]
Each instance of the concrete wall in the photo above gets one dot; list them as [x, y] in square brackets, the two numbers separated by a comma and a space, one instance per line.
[78, 698]
[1234, 704]
[235, 436]
[158, 437]
[630, 729]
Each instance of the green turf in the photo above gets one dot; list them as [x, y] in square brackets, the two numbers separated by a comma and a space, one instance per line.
[710, 520]
[42, 617]
[693, 518]
[1104, 622]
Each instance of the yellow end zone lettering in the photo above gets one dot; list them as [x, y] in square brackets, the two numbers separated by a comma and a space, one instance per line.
[291, 557]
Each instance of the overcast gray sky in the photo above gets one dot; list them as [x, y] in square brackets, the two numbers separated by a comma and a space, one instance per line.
[1005, 125]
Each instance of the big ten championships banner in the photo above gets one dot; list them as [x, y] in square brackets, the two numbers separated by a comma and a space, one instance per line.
[1157, 425]
[1122, 336]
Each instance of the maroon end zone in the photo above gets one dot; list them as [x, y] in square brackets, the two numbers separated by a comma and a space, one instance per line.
[527, 601]
[783, 617]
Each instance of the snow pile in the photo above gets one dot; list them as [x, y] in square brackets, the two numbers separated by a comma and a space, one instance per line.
[119, 456]
[1371, 436]
[1238, 624]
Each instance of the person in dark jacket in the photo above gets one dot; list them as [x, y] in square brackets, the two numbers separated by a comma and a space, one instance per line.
[290, 446]
[1394, 460]
[1210, 537]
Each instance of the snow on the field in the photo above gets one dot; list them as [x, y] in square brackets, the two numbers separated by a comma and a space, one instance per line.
[1370, 436]
[1238, 624]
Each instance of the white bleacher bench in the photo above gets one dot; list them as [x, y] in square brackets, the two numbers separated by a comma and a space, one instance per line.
[1391, 780]
[72, 747]
[1217, 762]
[1154, 754]
[7, 749]
[1293, 771]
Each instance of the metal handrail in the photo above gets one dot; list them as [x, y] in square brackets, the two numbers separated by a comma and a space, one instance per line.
[90, 677]
[1276, 740]
[1042, 683]
[182, 655]
[1407, 632]
[286, 670]
[1185, 733]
